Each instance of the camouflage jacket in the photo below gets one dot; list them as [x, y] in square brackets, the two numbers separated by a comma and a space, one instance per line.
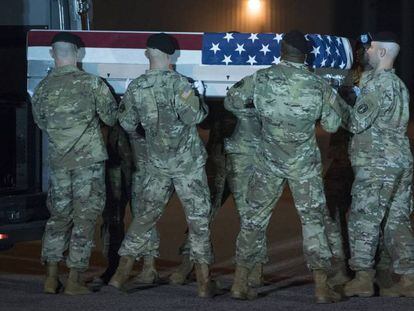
[67, 106]
[289, 101]
[246, 135]
[163, 102]
[379, 122]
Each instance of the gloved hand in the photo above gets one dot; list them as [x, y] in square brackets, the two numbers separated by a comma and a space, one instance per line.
[199, 86]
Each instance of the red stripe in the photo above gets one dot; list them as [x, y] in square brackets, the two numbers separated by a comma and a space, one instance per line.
[122, 40]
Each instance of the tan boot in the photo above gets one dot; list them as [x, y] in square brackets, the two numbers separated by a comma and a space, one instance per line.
[206, 287]
[255, 278]
[240, 288]
[323, 293]
[126, 263]
[149, 274]
[362, 285]
[383, 278]
[183, 271]
[75, 285]
[339, 275]
[52, 284]
[404, 288]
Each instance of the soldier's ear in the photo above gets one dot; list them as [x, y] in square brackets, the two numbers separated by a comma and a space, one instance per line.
[382, 52]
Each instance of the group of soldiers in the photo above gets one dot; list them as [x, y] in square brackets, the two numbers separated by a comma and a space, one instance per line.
[273, 144]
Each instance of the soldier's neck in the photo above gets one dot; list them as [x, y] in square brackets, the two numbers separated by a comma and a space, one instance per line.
[64, 62]
[385, 65]
[159, 65]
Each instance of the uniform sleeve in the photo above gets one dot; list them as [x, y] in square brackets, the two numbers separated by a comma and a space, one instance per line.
[331, 109]
[106, 105]
[189, 107]
[239, 99]
[365, 111]
[38, 113]
[128, 112]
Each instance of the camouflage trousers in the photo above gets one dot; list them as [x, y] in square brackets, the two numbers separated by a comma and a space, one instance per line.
[152, 247]
[218, 190]
[264, 191]
[193, 192]
[76, 198]
[380, 211]
[240, 169]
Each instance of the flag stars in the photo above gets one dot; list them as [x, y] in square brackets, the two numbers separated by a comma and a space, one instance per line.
[252, 60]
[337, 52]
[278, 37]
[323, 62]
[342, 65]
[328, 50]
[253, 37]
[329, 39]
[265, 49]
[227, 59]
[228, 37]
[240, 48]
[315, 51]
[333, 64]
[339, 41]
[215, 48]
[276, 60]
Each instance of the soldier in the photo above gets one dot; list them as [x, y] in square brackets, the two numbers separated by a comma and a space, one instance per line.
[382, 162]
[168, 109]
[118, 178]
[241, 150]
[69, 105]
[289, 100]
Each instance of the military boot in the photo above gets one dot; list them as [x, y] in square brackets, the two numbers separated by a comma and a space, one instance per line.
[255, 278]
[126, 263]
[339, 275]
[149, 274]
[384, 281]
[183, 271]
[240, 289]
[75, 285]
[206, 287]
[362, 285]
[52, 284]
[404, 288]
[324, 293]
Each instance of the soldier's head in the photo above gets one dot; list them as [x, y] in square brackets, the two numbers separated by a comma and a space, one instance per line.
[65, 48]
[160, 47]
[294, 46]
[383, 51]
[363, 43]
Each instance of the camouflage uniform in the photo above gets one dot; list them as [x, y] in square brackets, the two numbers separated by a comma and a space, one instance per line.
[119, 169]
[382, 162]
[67, 106]
[240, 150]
[166, 106]
[289, 100]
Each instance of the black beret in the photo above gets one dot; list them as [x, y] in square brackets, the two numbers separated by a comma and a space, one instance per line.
[68, 37]
[385, 36]
[163, 42]
[297, 39]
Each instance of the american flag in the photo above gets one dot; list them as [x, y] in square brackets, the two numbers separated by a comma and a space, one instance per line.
[258, 49]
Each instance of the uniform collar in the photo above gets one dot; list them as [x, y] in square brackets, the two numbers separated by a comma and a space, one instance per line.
[293, 64]
[64, 70]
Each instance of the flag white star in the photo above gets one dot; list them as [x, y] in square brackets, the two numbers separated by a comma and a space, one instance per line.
[315, 51]
[337, 52]
[215, 48]
[276, 60]
[329, 39]
[307, 37]
[319, 37]
[278, 37]
[333, 64]
[253, 36]
[252, 60]
[323, 63]
[339, 41]
[342, 65]
[240, 48]
[328, 50]
[227, 59]
[228, 37]
[265, 49]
